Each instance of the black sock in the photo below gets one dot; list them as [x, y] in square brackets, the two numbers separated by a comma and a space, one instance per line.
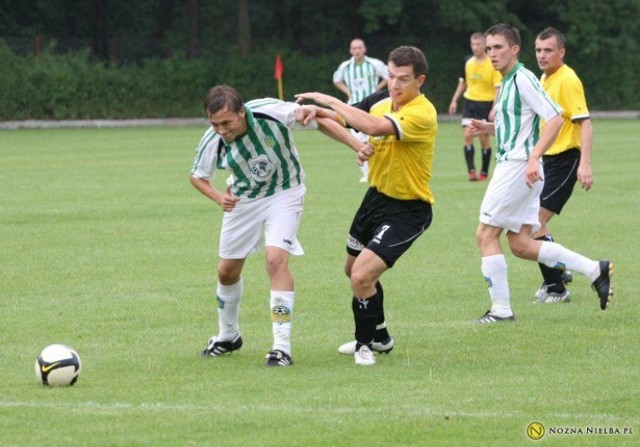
[469, 153]
[486, 160]
[365, 314]
[381, 334]
[552, 277]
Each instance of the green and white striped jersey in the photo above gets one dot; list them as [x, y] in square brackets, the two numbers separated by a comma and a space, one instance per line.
[261, 162]
[361, 79]
[520, 105]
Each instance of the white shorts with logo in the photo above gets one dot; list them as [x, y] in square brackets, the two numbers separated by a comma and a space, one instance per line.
[509, 203]
[274, 220]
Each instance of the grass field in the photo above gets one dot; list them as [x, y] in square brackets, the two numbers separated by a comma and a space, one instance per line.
[105, 246]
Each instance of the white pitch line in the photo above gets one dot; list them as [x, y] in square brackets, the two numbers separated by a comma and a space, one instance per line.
[424, 412]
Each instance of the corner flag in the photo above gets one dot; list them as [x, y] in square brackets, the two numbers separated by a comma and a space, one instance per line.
[277, 73]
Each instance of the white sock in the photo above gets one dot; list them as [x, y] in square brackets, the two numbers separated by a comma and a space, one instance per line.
[494, 269]
[228, 303]
[281, 313]
[555, 255]
[365, 168]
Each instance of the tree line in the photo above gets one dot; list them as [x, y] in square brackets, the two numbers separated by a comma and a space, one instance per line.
[235, 42]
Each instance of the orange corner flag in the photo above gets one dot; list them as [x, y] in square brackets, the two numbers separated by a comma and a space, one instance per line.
[279, 68]
[277, 73]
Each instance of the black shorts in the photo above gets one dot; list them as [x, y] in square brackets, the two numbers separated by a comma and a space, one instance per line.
[560, 176]
[475, 109]
[387, 226]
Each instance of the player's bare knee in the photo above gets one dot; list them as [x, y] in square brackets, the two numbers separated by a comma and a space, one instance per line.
[276, 265]
[228, 275]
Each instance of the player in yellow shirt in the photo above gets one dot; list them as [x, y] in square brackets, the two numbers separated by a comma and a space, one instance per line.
[569, 158]
[396, 210]
[478, 85]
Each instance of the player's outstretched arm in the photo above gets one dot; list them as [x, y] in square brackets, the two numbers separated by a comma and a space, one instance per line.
[358, 119]
[334, 130]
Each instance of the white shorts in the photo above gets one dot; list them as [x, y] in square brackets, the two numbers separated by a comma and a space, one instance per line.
[509, 203]
[279, 215]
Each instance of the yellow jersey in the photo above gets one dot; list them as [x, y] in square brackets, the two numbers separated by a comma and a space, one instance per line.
[565, 88]
[401, 165]
[482, 80]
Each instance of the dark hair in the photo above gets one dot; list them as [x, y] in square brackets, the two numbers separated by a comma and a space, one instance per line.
[509, 32]
[222, 96]
[547, 33]
[406, 55]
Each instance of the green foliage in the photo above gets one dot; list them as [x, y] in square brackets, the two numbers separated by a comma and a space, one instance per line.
[73, 86]
[138, 81]
[106, 246]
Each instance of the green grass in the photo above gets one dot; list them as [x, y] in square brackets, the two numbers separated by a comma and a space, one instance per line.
[105, 246]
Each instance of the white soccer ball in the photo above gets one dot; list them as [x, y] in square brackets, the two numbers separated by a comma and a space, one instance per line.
[58, 365]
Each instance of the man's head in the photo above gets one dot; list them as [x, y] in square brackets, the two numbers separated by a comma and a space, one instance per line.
[407, 73]
[357, 49]
[503, 46]
[478, 41]
[225, 109]
[550, 50]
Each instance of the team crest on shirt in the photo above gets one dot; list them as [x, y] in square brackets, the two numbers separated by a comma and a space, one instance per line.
[261, 168]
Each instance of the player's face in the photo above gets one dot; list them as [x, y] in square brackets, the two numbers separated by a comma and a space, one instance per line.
[229, 125]
[549, 56]
[357, 49]
[402, 83]
[477, 47]
[503, 56]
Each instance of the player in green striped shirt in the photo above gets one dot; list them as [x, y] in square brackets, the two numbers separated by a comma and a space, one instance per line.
[512, 202]
[254, 143]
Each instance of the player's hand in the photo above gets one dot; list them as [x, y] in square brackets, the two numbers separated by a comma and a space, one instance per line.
[365, 153]
[305, 114]
[585, 177]
[533, 173]
[477, 127]
[318, 98]
[229, 201]
[453, 107]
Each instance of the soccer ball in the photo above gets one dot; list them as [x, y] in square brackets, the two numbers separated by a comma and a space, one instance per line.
[58, 365]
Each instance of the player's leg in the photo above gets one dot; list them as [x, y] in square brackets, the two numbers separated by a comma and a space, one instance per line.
[283, 212]
[553, 289]
[397, 224]
[507, 204]
[486, 156]
[494, 269]
[382, 341]
[483, 109]
[240, 235]
[560, 177]
[281, 302]
[469, 150]
[558, 257]
[366, 303]
[228, 297]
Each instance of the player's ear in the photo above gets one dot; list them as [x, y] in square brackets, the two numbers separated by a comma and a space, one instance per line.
[420, 80]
